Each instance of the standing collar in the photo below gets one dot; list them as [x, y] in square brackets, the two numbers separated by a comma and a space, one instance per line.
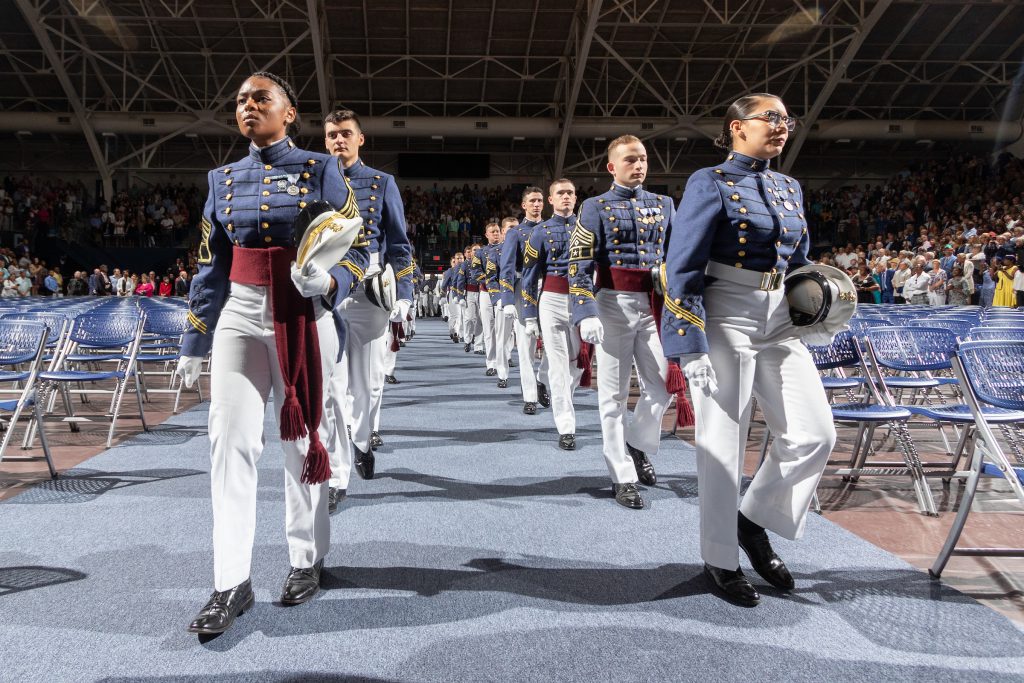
[626, 192]
[351, 170]
[272, 154]
[746, 163]
[563, 220]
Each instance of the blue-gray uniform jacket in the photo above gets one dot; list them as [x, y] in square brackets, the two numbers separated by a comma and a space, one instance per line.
[475, 269]
[546, 253]
[459, 279]
[252, 203]
[446, 281]
[740, 213]
[380, 205]
[622, 228]
[490, 256]
[417, 278]
[511, 265]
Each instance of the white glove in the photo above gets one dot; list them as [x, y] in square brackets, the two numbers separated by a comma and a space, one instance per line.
[591, 330]
[188, 369]
[817, 337]
[510, 311]
[699, 373]
[400, 311]
[311, 280]
[532, 327]
[463, 303]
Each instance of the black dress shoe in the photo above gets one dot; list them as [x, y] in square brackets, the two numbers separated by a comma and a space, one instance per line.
[402, 343]
[364, 463]
[644, 468]
[503, 384]
[220, 611]
[301, 584]
[530, 408]
[511, 363]
[764, 560]
[628, 495]
[469, 347]
[567, 442]
[334, 497]
[481, 352]
[543, 397]
[390, 379]
[491, 372]
[375, 441]
[732, 585]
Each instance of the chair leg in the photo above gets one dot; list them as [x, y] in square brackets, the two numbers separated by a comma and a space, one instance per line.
[964, 510]
[917, 476]
[142, 411]
[38, 420]
[118, 395]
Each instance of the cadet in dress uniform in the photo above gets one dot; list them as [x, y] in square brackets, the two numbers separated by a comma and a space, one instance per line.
[534, 383]
[616, 243]
[470, 280]
[366, 347]
[546, 256]
[244, 293]
[450, 308]
[739, 227]
[485, 261]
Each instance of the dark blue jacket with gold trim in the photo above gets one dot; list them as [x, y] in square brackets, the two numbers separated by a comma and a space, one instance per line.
[459, 278]
[490, 257]
[625, 228]
[252, 203]
[511, 265]
[547, 253]
[475, 268]
[740, 213]
[380, 205]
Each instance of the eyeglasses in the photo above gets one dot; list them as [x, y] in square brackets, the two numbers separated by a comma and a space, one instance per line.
[773, 119]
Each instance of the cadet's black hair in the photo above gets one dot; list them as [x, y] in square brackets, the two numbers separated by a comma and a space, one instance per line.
[340, 115]
[739, 109]
[530, 189]
[286, 88]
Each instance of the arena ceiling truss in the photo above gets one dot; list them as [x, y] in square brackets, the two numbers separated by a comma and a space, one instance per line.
[133, 85]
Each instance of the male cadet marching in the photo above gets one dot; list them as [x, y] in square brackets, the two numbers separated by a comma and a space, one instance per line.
[615, 250]
[547, 256]
[470, 279]
[534, 385]
[449, 297]
[380, 205]
[491, 255]
[485, 264]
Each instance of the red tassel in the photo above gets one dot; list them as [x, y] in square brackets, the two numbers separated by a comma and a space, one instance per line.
[676, 381]
[583, 363]
[316, 468]
[676, 384]
[397, 334]
[293, 425]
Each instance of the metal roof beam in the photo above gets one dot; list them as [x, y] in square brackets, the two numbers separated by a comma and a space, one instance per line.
[577, 80]
[35, 22]
[833, 80]
[315, 10]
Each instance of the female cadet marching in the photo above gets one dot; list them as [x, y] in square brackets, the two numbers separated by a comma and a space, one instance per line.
[269, 325]
[740, 226]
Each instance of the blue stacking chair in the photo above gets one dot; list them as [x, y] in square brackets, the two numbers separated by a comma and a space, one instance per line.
[870, 413]
[22, 346]
[1015, 333]
[165, 325]
[907, 376]
[111, 339]
[992, 376]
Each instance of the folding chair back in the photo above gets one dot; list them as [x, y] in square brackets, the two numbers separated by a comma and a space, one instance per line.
[24, 342]
[997, 333]
[841, 353]
[995, 371]
[912, 349]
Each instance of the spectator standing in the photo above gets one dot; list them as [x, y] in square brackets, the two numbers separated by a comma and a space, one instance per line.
[1004, 294]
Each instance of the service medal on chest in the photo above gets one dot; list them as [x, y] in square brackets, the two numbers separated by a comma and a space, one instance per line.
[293, 190]
[789, 205]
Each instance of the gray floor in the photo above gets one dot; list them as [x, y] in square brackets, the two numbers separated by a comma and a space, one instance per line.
[481, 552]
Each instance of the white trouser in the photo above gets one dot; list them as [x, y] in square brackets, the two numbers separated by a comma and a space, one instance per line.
[489, 337]
[630, 336]
[365, 345]
[389, 358]
[526, 347]
[471, 320]
[561, 347]
[503, 335]
[337, 414]
[754, 353]
[454, 314]
[243, 371]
